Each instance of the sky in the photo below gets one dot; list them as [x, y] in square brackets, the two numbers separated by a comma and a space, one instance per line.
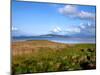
[33, 18]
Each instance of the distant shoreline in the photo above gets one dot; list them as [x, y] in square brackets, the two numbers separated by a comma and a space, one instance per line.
[55, 42]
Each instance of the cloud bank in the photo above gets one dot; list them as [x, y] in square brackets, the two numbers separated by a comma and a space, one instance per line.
[81, 30]
[72, 11]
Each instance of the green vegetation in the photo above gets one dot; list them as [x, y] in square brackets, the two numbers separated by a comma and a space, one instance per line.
[50, 59]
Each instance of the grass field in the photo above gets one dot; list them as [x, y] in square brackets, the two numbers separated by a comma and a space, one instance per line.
[45, 56]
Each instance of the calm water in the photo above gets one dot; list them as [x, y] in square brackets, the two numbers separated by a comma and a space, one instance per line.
[57, 39]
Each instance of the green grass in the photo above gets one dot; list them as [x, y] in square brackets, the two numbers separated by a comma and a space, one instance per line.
[46, 59]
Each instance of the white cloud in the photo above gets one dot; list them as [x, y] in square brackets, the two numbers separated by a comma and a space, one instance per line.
[87, 28]
[56, 29]
[68, 9]
[89, 24]
[82, 26]
[14, 28]
[72, 11]
[85, 15]
[73, 30]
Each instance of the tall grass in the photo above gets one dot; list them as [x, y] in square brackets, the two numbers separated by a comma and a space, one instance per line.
[46, 59]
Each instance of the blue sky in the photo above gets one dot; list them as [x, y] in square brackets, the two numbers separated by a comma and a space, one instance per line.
[42, 18]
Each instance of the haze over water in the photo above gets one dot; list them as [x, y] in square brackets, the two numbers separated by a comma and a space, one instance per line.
[57, 39]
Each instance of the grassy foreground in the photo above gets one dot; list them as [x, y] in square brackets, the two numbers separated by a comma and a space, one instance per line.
[45, 56]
